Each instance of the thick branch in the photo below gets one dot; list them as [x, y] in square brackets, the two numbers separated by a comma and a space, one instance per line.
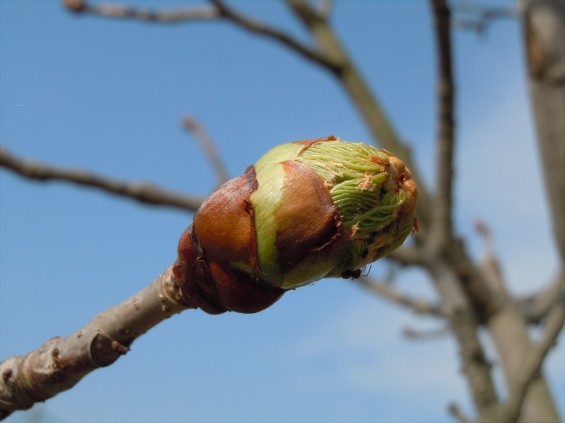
[142, 192]
[61, 363]
[441, 231]
[544, 24]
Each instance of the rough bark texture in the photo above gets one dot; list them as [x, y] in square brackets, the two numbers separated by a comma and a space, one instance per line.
[61, 363]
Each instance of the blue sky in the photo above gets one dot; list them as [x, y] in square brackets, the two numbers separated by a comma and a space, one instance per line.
[108, 96]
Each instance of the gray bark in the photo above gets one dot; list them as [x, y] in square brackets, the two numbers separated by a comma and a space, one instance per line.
[544, 37]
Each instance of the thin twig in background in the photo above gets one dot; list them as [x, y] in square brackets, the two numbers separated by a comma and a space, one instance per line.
[110, 10]
[407, 256]
[142, 192]
[458, 309]
[207, 144]
[263, 29]
[425, 334]
[441, 231]
[457, 413]
[477, 17]
[535, 307]
[218, 10]
[385, 290]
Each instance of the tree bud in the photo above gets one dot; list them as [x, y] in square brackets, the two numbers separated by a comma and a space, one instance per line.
[306, 210]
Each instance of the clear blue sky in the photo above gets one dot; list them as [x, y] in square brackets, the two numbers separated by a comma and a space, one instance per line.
[108, 96]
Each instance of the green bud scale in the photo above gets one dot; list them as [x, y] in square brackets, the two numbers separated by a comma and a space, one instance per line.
[306, 210]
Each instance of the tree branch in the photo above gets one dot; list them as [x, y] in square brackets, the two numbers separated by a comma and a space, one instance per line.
[441, 231]
[528, 372]
[407, 256]
[142, 192]
[388, 292]
[109, 10]
[509, 332]
[60, 363]
[477, 17]
[209, 146]
[263, 29]
[464, 325]
[536, 307]
[219, 10]
[544, 32]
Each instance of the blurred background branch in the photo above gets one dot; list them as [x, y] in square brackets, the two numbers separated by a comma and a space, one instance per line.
[195, 128]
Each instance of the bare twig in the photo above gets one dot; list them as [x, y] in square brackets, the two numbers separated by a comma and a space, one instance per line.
[510, 334]
[385, 290]
[476, 17]
[425, 334]
[60, 363]
[110, 10]
[263, 29]
[407, 256]
[458, 311]
[218, 10]
[528, 372]
[536, 307]
[142, 192]
[441, 231]
[209, 146]
[544, 32]
[457, 413]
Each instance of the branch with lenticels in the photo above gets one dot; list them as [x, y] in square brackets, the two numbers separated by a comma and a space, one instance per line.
[142, 192]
